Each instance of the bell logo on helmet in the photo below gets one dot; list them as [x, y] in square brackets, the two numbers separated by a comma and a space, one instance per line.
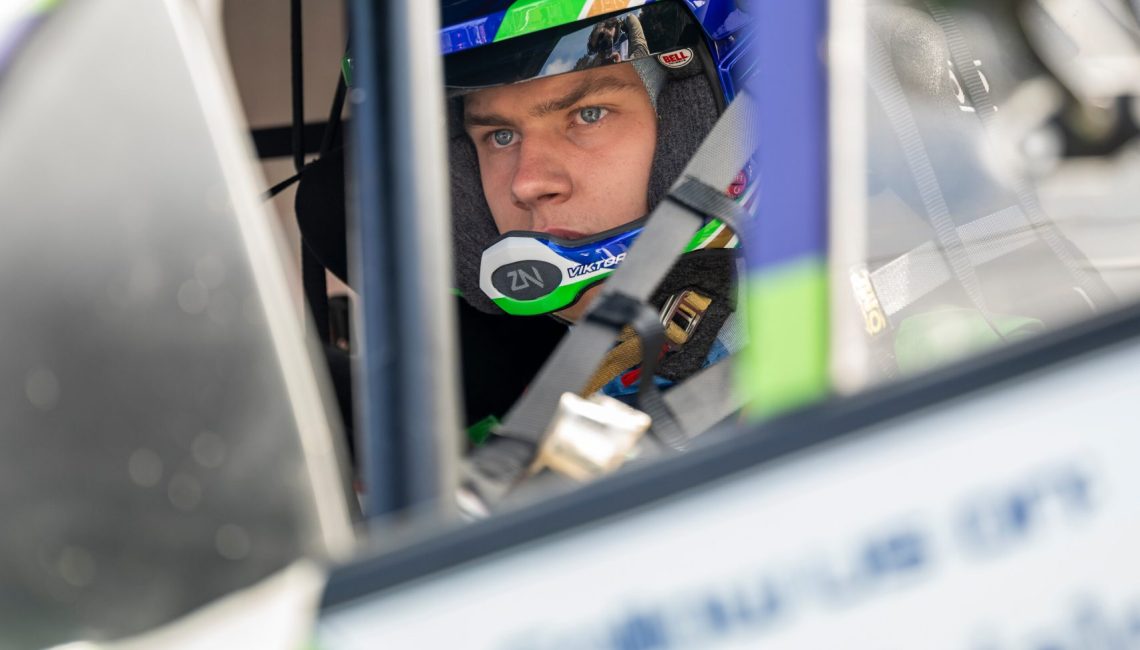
[527, 280]
[676, 58]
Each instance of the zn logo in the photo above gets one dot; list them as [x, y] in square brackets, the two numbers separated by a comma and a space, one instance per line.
[521, 280]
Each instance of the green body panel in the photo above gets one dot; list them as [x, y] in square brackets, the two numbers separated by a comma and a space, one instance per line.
[784, 365]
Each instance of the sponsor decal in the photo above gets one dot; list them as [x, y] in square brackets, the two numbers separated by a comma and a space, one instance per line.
[990, 525]
[526, 280]
[676, 58]
[593, 267]
[874, 319]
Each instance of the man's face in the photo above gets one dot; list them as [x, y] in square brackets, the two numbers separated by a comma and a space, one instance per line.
[568, 155]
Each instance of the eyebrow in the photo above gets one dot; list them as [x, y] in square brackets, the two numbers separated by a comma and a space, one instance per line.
[587, 87]
[484, 119]
[590, 86]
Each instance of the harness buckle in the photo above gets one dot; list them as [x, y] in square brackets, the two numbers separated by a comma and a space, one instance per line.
[591, 437]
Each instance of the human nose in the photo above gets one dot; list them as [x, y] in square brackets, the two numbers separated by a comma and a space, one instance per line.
[541, 176]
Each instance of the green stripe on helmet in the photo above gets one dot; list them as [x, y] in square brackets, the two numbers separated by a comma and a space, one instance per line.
[527, 16]
[704, 235]
[560, 298]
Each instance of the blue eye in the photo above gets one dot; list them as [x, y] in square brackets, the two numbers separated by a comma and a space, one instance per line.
[503, 137]
[591, 114]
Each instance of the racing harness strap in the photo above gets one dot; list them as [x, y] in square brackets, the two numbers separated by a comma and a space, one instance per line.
[492, 470]
[694, 404]
[889, 92]
[1098, 293]
[918, 272]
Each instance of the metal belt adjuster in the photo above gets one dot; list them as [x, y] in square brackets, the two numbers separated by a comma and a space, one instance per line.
[682, 314]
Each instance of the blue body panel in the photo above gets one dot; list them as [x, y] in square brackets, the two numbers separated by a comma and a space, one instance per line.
[792, 95]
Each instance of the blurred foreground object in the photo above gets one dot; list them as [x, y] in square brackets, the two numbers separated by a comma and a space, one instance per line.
[164, 441]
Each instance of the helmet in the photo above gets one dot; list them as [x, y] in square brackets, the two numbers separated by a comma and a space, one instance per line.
[689, 55]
